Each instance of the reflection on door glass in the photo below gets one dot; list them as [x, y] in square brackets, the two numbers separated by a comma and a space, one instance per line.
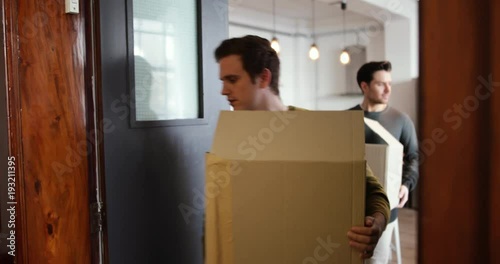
[166, 60]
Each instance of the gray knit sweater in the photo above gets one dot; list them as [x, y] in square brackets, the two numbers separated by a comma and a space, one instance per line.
[402, 128]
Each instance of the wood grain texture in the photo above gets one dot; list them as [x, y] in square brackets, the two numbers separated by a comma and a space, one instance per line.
[14, 125]
[53, 120]
[454, 50]
[495, 132]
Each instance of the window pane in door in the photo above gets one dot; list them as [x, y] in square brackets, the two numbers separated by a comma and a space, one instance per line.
[165, 60]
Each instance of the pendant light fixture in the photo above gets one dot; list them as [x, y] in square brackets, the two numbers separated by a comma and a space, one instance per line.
[274, 42]
[345, 58]
[313, 51]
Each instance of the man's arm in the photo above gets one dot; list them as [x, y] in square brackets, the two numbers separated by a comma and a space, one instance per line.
[377, 210]
[410, 159]
[376, 199]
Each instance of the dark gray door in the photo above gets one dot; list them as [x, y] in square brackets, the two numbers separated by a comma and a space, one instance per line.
[154, 175]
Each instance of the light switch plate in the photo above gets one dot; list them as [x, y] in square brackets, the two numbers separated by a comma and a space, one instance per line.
[72, 7]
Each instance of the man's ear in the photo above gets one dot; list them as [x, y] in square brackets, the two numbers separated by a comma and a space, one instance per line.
[364, 87]
[265, 78]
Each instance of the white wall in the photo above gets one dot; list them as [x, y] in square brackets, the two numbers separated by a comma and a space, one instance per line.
[405, 98]
[375, 44]
[331, 73]
[394, 13]
[398, 49]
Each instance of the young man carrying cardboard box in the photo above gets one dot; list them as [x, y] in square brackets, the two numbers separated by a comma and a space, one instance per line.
[374, 80]
[249, 70]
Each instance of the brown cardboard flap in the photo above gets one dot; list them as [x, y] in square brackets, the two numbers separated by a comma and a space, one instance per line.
[291, 135]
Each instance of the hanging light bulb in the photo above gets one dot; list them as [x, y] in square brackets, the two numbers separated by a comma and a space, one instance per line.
[275, 45]
[345, 58]
[314, 52]
[274, 42]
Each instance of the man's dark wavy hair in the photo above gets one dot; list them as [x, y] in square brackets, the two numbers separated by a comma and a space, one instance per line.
[365, 73]
[256, 55]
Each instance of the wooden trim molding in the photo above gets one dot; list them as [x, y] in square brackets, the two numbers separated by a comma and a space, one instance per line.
[494, 241]
[11, 51]
[97, 194]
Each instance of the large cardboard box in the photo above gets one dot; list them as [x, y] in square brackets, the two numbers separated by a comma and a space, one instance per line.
[386, 161]
[284, 187]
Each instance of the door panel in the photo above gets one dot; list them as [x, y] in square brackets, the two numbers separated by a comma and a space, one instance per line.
[150, 171]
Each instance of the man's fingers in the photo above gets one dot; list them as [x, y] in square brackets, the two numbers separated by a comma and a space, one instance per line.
[363, 248]
[360, 230]
[369, 221]
[366, 254]
[402, 202]
[363, 239]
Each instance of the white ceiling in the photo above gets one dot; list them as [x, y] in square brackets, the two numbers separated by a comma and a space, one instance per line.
[299, 9]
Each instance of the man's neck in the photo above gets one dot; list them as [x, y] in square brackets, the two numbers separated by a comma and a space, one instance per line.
[272, 102]
[369, 107]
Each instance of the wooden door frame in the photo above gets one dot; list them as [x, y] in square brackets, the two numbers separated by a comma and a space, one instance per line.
[90, 13]
[97, 195]
[494, 228]
[459, 63]
[11, 50]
